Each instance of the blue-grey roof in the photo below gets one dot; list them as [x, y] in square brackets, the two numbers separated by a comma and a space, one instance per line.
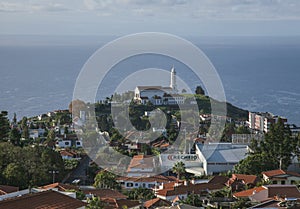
[222, 153]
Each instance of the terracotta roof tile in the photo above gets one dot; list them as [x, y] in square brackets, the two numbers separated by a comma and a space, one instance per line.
[42, 200]
[249, 192]
[156, 202]
[273, 173]
[105, 193]
[60, 187]
[247, 179]
[288, 191]
[111, 203]
[219, 179]
[184, 189]
[5, 189]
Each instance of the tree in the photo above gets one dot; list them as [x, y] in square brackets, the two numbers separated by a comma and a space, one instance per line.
[14, 136]
[95, 203]
[51, 135]
[142, 194]
[179, 168]
[193, 200]
[199, 90]
[105, 179]
[274, 152]
[4, 126]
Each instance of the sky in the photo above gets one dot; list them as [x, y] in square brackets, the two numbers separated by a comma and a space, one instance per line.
[180, 17]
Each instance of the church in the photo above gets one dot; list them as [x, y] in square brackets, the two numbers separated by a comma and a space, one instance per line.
[159, 95]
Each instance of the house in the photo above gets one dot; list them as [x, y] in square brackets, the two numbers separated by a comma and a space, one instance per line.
[59, 187]
[141, 165]
[240, 181]
[216, 158]
[281, 177]
[267, 192]
[69, 155]
[145, 182]
[110, 203]
[179, 206]
[5, 189]
[104, 193]
[46, 199]
[156, 202]
[182, 190]
[277, 204]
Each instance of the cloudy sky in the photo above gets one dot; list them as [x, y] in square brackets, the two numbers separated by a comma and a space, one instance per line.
[120, 17]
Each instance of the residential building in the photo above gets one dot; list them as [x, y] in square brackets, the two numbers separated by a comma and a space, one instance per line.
[241, 181]
[46, 199]
[156, 202]
[182, 190]
[5, 189]
[104, 193]
[145, 182]
[262, 121]
[141, 165]
[281, 177]
[267, 192]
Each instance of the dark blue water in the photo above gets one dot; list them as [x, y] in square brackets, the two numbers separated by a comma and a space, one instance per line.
[258, 74]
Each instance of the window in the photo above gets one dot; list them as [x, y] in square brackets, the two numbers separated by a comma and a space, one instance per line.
[293, 182]
[67, 143]
[78, 143]
[282, 182]
[136, 184]
[129, 184]
[274, 182]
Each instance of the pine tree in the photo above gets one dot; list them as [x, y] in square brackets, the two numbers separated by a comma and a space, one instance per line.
[4, 126]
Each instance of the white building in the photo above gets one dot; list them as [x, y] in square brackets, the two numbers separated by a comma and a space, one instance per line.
[262, 121]
[159, 95]
[220, 157]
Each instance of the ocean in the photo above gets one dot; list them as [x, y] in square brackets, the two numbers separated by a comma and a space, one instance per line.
[38, 73]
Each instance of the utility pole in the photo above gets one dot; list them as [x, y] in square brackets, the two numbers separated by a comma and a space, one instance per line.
[53, 175]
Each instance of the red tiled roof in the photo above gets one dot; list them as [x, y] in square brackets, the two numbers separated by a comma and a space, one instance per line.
[219, 179]
[184, 189]
[279, 172]
[5, 189]
[42, 200]
[289, 191]
[111, 203]
[105, 193]
[156, 202]
[60, 187]
[140, 161]
[249, 192]
[247, 179]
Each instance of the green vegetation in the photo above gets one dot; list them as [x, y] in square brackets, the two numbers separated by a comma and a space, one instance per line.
[28, 166]
[193, 200]
[274, 152]
[179, 169]
[105, 179]
[141, 194]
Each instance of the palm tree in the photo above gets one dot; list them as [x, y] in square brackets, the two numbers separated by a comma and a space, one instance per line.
[179, 168]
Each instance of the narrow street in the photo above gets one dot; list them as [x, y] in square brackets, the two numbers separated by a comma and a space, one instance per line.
[80, 172]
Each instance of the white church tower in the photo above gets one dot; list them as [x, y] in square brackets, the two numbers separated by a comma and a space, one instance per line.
[173, 84]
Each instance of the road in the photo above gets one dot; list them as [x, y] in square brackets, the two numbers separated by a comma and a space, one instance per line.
[80, 172]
